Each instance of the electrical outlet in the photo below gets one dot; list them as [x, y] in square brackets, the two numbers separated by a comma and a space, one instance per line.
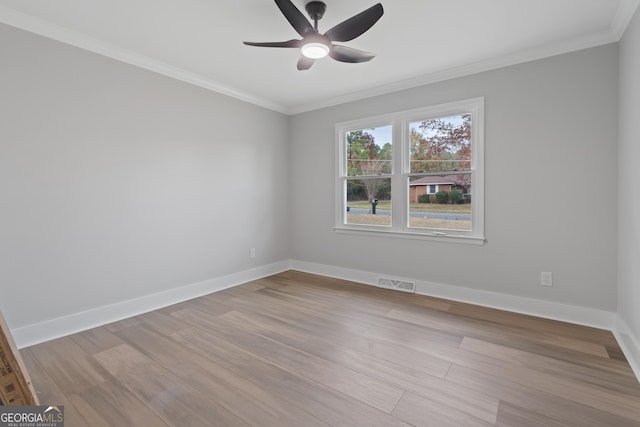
[546, 278]
[253, 253]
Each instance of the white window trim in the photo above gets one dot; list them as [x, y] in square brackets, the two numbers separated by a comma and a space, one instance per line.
[399, 183]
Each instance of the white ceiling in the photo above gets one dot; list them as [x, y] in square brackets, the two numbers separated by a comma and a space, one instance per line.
[416, 41]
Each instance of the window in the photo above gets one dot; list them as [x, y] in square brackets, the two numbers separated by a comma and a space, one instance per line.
[369, 168]
[414, 174]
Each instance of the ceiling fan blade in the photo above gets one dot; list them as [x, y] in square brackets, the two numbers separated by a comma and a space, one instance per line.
[295, 17]
[289, 43]
[305, 63]
[356, 25]
[349, 54]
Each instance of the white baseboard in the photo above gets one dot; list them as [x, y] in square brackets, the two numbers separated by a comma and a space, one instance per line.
[77, 322]
[550, 310]
[55, 328]
[629, 343]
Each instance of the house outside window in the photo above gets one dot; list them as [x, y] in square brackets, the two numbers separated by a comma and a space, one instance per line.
[414, 174]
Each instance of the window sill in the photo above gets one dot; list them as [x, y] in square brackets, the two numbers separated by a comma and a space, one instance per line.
[448, 238]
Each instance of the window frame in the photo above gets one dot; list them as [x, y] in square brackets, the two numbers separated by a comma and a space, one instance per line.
[400, 122]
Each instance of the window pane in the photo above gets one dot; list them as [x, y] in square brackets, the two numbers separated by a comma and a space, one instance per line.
[369, 151]
[369, 201]
[449, 208]
[440, 145]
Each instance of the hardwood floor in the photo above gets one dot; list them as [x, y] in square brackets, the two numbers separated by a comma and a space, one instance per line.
[297, 349]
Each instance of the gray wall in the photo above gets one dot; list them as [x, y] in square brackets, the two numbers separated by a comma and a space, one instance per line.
[551, 184]
[117, 183]
[629, 178]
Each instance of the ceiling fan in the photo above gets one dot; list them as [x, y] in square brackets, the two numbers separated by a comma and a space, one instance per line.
[315, 45]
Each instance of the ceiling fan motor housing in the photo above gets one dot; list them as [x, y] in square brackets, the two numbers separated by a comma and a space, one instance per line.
[315, 9]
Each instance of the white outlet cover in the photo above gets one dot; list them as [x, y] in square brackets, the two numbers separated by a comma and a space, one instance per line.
[546, 278]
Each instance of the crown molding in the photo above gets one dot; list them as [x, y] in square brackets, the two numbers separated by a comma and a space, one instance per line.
[624, 14]
[566, 46]
[34, 25]
[626, 10]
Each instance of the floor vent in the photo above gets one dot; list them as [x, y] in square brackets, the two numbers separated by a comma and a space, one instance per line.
[398, 285]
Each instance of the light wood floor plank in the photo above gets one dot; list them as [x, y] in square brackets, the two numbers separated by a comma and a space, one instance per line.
[96, 340]
[562, 409]
[334, 350]
[559, 385]
[432, 386]
[531, 323]
[126, 323]
[110, 404]
[326, 404]
[376, 393]
[490, 331]
[513, 416]
[48, 391]
[72, 369]
[549, 365]
[170, 397]
[215, 382]
[589, 394]
[420, 411]
[260, 303]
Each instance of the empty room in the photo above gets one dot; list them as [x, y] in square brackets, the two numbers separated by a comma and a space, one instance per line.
[320, 213]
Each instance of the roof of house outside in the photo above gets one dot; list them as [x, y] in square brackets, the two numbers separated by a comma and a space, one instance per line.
[437, 179]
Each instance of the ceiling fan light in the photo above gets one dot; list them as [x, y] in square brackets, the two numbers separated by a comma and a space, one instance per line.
[315, 50]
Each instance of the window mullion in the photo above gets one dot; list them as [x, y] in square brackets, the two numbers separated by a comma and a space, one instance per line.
[399, 180]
